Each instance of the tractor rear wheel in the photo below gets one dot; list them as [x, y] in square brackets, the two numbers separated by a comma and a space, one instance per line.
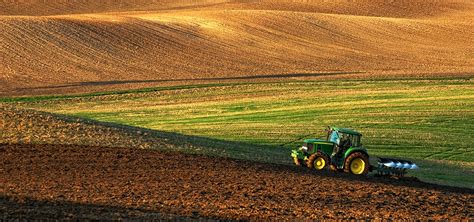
[357, 163]
[318, 161]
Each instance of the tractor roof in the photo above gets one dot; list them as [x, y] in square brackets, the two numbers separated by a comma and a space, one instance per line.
[315, 141]
[347, 131]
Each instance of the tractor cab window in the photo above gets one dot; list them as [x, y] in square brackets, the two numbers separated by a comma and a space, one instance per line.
[334, 137]
[338, 137]
[355, 140]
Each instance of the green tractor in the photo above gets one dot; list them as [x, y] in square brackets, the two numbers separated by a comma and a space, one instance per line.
[342, 150]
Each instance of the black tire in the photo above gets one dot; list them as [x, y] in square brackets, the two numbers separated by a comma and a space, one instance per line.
[311, 161]
[357, 169]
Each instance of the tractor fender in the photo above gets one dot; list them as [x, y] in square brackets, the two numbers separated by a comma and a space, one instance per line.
[352, 150]
[324, 154]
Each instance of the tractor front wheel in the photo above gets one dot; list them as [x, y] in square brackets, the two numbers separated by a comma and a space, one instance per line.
[318, 161]
[357, 163]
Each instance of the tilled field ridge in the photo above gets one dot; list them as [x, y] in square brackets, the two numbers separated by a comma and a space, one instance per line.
[67, 181]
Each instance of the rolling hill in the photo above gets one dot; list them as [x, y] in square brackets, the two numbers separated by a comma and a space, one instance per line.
[86, 46]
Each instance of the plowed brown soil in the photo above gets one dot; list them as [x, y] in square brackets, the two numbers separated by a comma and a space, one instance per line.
[57, 47]
[60, 181]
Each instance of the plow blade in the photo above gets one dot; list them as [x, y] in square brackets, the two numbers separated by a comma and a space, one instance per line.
[388, 166]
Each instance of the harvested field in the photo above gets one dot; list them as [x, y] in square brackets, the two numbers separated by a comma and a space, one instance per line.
[65, 181]
[59, 47]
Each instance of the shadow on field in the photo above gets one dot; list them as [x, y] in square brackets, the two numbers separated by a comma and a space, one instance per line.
[270, 157]
[32, 209]
[192, 144]
[253, 77]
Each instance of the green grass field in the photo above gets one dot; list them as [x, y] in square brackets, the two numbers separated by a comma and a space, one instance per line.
[428, 121]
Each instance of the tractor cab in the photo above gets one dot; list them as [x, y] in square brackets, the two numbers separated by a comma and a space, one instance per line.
[338, 136]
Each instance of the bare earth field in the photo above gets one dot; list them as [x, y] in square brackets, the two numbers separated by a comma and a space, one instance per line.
[58, 47]
[80, 182]
[98, 159]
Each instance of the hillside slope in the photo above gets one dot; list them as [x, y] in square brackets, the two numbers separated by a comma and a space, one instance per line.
[141, 43]
[61, 7]
[383, 8]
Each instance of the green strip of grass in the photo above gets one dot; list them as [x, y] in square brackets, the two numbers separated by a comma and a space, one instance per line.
[27, 99]
[413, 119]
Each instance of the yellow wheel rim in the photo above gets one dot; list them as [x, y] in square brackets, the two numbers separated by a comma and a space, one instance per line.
[319, 163]
[357, 166]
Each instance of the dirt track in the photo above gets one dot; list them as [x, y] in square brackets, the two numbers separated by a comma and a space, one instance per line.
[58, 181]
